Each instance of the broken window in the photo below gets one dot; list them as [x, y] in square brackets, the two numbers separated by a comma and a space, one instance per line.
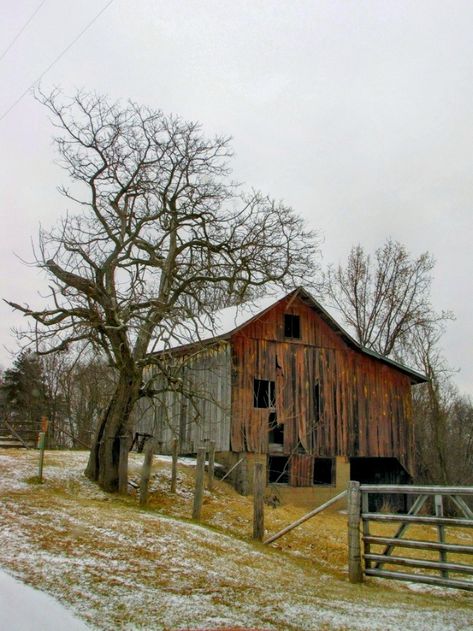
[276, 430]
[324, 471]
[278, 470]
[292, 326]
[264, 393]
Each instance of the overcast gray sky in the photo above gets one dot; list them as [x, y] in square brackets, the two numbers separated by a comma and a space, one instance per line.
[357, 114]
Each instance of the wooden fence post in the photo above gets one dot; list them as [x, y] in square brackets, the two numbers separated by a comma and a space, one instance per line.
[41, 446]
[175, 454]
[123, 464]
[258, 502]
[145, 474]
[438, 502]
[355, 573]
[210, 479]
[199, 483]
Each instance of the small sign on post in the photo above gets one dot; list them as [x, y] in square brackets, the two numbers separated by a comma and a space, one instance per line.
[44, 424]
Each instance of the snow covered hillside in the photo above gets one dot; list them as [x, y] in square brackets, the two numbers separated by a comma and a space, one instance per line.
[116, 566]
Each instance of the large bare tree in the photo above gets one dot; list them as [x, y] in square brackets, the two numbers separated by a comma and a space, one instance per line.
[157, 232]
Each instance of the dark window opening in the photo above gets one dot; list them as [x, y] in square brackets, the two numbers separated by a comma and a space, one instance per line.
[264, 393]
[276, 430]
[292, 326]
[278, 470]
[324, 471]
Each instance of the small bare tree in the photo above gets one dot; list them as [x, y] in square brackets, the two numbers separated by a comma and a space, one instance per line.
[386, 297]
[159, 232]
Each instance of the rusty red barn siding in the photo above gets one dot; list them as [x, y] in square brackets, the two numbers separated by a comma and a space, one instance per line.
[365, 404]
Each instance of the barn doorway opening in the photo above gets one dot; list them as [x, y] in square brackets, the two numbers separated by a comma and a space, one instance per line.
[324, 471]
[278, 470]
[381, 471]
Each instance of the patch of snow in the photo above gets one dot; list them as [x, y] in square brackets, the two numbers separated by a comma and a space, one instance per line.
[124, 568]
[24, 608]
[219, 323]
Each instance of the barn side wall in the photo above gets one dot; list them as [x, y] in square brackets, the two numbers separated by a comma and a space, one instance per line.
[196, 418]
[332, 400]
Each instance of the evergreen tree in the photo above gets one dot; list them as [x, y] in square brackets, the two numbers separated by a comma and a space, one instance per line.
[23, 389]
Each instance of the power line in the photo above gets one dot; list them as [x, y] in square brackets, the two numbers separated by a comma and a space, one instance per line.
[61, 54]
[21, 30]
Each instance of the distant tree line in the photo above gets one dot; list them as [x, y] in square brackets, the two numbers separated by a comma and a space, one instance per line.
[70, 392]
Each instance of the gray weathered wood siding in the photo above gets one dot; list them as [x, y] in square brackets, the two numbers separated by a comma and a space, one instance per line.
[197, 419]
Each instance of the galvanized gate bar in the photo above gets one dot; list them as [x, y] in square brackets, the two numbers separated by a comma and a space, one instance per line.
[443, 566]
[419, 519]
[416, 490]
[417, 578]
[421, 545]
[415, 508]
[431, 565]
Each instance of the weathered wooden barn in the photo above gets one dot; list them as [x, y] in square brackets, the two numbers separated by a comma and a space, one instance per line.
[287, 386]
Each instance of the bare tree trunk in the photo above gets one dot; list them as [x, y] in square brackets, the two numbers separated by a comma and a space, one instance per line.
[104, 459]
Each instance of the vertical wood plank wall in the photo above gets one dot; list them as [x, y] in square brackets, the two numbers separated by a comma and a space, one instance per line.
[193, 420]
[365, 405]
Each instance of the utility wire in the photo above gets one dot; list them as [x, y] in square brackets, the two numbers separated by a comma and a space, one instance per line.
[21, 30]
[61, 54]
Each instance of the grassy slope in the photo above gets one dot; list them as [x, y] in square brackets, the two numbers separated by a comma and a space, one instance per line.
[118, 566]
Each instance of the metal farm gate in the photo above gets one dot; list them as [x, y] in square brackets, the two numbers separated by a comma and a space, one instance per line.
[429, 554]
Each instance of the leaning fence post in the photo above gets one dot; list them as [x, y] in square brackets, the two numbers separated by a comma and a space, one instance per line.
[355, 573]
[199, 483]
[210, 479]
[123, 464]
[258, 502]
[175, 454]
[145, 474]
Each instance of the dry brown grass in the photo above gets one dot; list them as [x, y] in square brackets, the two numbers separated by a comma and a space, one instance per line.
[118, 565]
